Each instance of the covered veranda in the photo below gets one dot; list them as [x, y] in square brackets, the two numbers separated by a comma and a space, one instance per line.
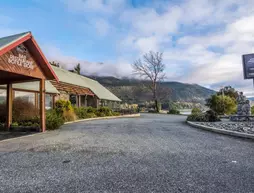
[21, 60]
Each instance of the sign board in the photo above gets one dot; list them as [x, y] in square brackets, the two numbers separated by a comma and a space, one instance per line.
[248, 66]
[20, 61]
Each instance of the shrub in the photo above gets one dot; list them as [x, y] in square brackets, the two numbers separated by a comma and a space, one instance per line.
[174, 112]
[80, 112]
[63, 105]
[116, 113]
[100, 114]
[212, 116]
[53, 120]
[23, 110]
[14, 124]
[105, 110]
[222, 104]
[196, 110]
[199, 117]
[209, 116]
[64, 109]
[91, 110]
[69, 115]
[91, 115]
[252, 110]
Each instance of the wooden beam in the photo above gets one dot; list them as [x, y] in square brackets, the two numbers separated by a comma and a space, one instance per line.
[9, 102]
[42, 106]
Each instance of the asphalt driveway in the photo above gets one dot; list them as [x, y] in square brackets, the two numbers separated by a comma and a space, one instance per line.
[153, 153]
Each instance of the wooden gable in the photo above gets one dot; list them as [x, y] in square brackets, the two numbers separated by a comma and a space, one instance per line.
[19, 60]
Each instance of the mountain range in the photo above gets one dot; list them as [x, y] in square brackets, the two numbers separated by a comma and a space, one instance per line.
[133, 91]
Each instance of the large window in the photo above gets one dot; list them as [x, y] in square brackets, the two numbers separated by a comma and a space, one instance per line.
[48, 101]
[28, 96]
[2, 96]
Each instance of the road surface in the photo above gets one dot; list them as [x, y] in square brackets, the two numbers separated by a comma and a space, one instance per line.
[153, 153]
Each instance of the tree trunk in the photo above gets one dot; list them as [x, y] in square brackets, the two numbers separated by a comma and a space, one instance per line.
[155, 98]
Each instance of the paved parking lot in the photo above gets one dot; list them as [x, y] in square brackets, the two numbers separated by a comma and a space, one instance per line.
[153, 153]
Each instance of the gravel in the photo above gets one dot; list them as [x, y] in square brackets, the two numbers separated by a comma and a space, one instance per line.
[243, 127]
[153, 153]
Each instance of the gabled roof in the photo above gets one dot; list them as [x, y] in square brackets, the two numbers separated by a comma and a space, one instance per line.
[5, 41]
[72, 78]
[10, 42]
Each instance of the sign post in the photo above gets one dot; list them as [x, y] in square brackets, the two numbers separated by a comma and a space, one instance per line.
[248, 66]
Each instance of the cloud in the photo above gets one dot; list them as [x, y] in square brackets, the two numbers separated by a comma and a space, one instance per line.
[118, 68]
[102, 27]
[202, 40]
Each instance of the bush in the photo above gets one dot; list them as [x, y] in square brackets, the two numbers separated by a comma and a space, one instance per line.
[91, 110]
[116, 113]
[62, 105]
[23, 110]
[174, 112]
[64, 109]
[100, 114]
[252, 110]
[105, 110]
[199, 117]
[53, 120]
[222, 104]
[196, 110]
[80, 112]
[69, 116]
[209, 116]
[212, 116]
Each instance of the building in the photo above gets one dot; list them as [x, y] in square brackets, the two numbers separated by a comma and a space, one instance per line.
[83, 91]
[21, 60]
[25, 72]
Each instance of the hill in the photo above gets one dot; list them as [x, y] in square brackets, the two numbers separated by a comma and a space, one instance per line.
[131, 90]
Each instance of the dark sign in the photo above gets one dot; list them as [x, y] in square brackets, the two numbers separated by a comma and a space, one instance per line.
[248, 66]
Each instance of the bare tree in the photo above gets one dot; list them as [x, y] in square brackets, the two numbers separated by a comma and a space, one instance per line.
[151, 68]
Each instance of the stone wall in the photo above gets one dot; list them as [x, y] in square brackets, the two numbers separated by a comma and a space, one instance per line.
[63, 96]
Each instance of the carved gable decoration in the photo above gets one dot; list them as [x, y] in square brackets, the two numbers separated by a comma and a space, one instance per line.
[20, 61]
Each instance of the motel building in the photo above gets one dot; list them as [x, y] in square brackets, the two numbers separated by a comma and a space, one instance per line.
[26, 73]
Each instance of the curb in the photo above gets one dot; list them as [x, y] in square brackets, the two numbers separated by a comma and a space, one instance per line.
[101, 118]
[221, 131]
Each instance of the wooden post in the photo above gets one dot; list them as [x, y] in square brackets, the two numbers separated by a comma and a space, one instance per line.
[85, 100]
[9, 102]
[42, 106]
[79, 101]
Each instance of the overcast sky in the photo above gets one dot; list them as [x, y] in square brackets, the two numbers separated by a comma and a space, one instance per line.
[202, 40]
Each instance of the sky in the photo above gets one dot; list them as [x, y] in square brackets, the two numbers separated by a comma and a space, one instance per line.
[202, 40]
